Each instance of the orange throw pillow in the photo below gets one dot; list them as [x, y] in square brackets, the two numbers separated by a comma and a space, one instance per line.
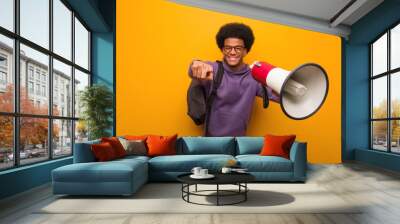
[103, 152]
[277, 145]
[116, 145]
[161, 145]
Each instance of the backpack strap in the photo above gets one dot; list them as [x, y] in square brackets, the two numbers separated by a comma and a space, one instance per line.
[217, 79]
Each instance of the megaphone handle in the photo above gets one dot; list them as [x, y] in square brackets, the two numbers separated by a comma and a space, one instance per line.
[265, 97]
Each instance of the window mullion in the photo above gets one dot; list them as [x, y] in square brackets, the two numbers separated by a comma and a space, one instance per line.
[370, 98]
[16, 70]
[73, 82]
[50, 81]
[89, 62]
[389, 101]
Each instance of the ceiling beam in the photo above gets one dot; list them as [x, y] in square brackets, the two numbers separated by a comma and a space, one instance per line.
[90, 13]
[347, 11]
[269, 15]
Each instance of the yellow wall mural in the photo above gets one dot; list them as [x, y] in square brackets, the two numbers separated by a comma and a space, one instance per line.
[156, 40]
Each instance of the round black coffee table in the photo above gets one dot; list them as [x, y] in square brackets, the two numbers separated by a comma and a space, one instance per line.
[238, 179]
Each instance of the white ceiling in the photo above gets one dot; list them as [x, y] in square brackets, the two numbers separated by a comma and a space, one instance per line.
[326, 16]
[321, 9]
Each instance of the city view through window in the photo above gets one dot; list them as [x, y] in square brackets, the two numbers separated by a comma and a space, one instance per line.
[39, 114]
[385, 91]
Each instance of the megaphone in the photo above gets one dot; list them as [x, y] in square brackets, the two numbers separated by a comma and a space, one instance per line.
[302, 91]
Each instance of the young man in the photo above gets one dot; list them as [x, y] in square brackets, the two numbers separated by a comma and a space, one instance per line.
[231, 109]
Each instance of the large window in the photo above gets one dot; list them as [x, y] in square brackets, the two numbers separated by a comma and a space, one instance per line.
[44, 65]
[385, 91]
[7, 14]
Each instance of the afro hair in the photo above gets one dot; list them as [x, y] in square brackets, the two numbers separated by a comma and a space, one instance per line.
[235, 30]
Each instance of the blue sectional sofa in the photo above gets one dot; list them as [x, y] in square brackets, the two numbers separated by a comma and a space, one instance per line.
[125, 176]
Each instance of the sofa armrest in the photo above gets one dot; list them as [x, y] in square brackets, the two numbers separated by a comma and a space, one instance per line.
[298, 155]
[83, 152]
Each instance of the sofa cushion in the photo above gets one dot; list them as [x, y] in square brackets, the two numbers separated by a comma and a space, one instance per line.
[134, 147]
[103, 152]
[111, 171]
[161, 145]
[257, 163]
[249, 145]
[207, 145]
[277, 145]
[116, 145]
[185, 163]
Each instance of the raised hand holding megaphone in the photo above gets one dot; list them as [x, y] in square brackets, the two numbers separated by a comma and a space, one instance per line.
[302, 91]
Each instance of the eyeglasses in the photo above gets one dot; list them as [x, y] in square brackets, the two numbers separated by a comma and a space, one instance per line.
[228, 49]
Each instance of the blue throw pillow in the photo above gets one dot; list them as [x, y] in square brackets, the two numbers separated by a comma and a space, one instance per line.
[249, 145]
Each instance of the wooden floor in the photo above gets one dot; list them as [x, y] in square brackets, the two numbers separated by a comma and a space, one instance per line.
[377, 188]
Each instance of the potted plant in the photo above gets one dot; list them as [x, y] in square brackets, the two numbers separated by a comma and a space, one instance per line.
[96, 102]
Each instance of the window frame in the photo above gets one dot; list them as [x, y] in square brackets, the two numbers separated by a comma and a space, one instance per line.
[3, 77]
[3, 69]
[388, 74]
[5, 59]
[16, 114]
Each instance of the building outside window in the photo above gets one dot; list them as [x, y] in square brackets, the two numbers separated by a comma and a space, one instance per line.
[37, 75]
[38, 89]
[43, 78]
[3, 71]
[3, 60]
[35, 71]
[30, 72]
[43, 90]
[385, 91]
[3, 78]
[30, 87]
[55, 96]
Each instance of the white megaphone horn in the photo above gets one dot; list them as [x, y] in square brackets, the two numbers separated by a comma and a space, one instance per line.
[301, 91]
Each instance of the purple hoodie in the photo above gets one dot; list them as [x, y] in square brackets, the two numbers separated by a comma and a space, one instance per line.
[231, 109]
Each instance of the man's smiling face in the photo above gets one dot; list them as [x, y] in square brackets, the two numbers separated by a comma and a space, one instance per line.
[234, 51]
